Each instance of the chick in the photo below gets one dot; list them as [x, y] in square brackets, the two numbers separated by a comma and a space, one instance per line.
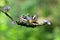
[31, 19]
[28, 19]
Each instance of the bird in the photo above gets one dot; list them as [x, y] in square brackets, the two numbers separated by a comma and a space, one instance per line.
[27, 20]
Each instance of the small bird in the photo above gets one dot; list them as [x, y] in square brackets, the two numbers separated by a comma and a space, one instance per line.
[28, 19]
[31, 19]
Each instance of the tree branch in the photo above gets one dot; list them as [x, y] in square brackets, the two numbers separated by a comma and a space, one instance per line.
[19, 23]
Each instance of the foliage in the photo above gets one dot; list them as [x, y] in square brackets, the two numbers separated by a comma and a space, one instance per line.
[49, 9]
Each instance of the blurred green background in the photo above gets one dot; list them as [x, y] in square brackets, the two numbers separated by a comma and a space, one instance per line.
[49, 9]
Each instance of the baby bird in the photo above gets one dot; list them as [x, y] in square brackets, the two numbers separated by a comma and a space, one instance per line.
[31, 19]
[28, 19]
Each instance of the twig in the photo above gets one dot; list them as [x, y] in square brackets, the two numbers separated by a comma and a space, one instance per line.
[19, 23]
[8, 16]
